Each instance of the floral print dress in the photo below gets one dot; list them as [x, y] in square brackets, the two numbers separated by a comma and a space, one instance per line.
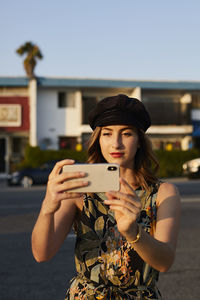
[107, 265]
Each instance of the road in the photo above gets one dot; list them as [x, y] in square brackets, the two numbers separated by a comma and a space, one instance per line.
[21, 278]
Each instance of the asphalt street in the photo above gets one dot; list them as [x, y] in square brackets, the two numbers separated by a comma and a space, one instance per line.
[21, 278]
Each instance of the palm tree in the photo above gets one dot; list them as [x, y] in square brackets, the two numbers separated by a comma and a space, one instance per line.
[33, 53]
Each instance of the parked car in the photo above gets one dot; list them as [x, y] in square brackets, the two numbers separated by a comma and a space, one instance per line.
[29, 176]
[191, 168]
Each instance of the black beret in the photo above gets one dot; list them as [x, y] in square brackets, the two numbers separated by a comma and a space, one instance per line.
[120, 110]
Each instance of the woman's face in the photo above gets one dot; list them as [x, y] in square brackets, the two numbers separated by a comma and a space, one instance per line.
[119, 144]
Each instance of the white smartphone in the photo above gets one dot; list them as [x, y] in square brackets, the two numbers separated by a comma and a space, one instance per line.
[102, 177]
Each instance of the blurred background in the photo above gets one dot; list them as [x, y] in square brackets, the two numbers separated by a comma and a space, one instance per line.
[57, 60]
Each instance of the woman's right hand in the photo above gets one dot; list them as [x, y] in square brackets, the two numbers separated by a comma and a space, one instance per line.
[60, 187]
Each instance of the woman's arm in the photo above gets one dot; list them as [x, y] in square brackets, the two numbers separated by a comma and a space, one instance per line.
[158, 251]
[57, 213]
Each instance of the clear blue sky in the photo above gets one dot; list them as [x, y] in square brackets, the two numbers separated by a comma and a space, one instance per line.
[114, 39]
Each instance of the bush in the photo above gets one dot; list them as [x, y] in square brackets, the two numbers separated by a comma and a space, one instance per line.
[35, 157]
[170, 161]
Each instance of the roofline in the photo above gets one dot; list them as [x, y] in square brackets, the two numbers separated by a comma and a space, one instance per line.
[62, 82]
[111, 83]
[14, 81]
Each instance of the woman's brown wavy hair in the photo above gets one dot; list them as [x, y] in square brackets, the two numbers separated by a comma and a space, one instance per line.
[145, 165]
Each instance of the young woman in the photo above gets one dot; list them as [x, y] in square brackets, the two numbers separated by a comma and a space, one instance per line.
[124, 238]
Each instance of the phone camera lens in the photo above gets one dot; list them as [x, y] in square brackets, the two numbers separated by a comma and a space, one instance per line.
[112, 168]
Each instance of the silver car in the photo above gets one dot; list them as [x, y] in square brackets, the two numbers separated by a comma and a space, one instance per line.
[191, 168]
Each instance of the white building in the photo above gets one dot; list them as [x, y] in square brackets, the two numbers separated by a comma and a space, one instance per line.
[52, 112]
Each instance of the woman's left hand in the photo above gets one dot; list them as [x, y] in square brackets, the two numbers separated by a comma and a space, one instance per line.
[126, 206]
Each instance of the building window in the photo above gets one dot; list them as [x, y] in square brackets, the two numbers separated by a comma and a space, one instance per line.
[85, 140]
[16, 143]
[196, 101]
[61, 99]
[167, 110]
[88, 103]
[66, 99]
[67, 142]
[2, 154]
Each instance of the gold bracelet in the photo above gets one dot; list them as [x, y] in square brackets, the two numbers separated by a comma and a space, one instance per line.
[138, 236]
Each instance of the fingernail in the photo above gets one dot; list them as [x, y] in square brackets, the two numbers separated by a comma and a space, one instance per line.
[107, 202]
[71, 160]
[82, 173]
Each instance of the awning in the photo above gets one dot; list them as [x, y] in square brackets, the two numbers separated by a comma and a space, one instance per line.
[196, 128]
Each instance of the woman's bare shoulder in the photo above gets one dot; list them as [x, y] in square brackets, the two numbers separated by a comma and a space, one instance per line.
[167, 190]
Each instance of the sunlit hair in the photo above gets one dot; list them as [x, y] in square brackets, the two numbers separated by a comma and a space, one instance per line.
[145, 165]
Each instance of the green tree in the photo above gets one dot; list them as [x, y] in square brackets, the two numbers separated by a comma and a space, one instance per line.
[33, 53]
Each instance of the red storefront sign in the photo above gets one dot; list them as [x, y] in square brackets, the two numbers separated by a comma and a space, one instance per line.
[14, 114]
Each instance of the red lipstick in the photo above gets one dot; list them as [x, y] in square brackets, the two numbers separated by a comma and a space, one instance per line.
[116, 154]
